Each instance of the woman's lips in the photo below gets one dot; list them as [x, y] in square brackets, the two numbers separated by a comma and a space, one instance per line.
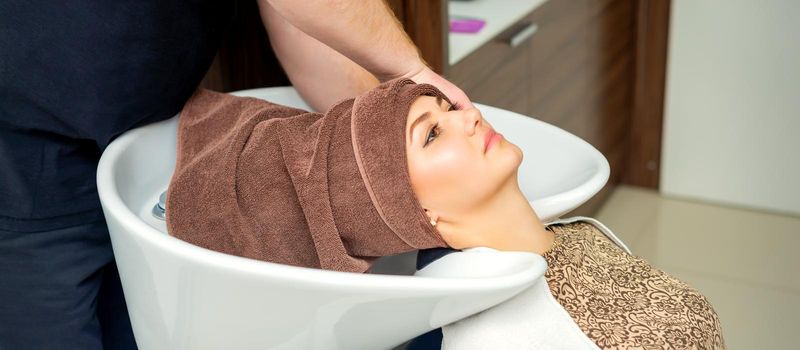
[491, 138]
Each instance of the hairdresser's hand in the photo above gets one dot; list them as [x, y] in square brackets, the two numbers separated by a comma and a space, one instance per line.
[378, 44]
[427, 76]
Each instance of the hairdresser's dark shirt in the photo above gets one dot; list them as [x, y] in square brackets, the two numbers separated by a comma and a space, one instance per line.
[76, 74]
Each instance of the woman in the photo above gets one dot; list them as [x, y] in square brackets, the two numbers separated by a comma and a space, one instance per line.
[617, 300]
[384, 173]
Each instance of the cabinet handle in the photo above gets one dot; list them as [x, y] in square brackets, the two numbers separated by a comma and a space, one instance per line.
[523, 35]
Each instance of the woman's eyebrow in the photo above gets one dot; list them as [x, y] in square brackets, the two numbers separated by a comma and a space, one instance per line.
[420, 119]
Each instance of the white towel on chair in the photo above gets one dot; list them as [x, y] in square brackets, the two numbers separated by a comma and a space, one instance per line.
[530, 320]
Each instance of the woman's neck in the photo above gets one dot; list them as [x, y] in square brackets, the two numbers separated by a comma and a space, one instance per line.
[507, 222]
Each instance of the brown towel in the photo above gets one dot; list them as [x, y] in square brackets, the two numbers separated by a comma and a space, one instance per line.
[274, 183]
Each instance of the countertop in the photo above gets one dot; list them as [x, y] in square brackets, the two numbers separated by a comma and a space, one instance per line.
[498, 14]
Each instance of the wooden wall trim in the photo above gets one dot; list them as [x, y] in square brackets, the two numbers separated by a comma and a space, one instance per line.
[426, 23]
[643, 160]
[245, 59]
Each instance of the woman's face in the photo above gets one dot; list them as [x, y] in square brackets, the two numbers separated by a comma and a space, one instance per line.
[456, 161]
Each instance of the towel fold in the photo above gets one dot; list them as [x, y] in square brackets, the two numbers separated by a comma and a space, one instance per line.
[269, 182]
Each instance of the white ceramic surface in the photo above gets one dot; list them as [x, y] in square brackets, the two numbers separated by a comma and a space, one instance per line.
[181, 296]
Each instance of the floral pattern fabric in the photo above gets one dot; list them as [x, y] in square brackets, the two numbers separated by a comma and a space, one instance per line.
[620, 301]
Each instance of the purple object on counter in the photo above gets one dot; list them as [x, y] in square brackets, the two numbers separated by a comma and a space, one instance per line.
[466, 24]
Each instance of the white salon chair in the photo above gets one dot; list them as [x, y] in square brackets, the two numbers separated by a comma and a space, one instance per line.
[181, 296]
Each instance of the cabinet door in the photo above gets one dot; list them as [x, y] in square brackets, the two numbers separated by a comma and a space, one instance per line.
[507, 87]
[582, 70]
[498, 73]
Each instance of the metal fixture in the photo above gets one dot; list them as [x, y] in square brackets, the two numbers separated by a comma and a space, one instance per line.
[160, 209]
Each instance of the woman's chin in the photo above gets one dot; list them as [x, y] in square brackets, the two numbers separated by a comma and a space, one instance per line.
[510, 165]
[515, 154]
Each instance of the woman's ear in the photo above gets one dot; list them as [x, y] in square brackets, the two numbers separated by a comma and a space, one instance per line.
[445, 230]
[433, 217]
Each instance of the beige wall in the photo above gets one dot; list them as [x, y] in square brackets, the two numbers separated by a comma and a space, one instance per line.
[732, 110]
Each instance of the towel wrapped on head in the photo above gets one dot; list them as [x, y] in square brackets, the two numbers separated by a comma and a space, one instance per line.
[274, 183]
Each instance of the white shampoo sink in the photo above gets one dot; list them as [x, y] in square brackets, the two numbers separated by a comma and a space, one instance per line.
[181, 296]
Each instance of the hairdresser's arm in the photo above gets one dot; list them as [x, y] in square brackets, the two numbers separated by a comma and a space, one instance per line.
[366, 32]
[311, 64]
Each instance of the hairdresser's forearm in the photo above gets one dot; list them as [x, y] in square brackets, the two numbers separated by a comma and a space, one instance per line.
[321, 75]
[366, 31]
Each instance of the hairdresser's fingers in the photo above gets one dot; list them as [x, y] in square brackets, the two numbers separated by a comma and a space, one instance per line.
[456, 95]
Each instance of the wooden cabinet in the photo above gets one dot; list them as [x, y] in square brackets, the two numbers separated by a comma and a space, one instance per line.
[498, 73]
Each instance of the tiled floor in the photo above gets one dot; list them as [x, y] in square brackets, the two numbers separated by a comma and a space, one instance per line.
[747, 263]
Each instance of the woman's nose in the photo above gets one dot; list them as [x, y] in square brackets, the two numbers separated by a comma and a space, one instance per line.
[472, 119]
